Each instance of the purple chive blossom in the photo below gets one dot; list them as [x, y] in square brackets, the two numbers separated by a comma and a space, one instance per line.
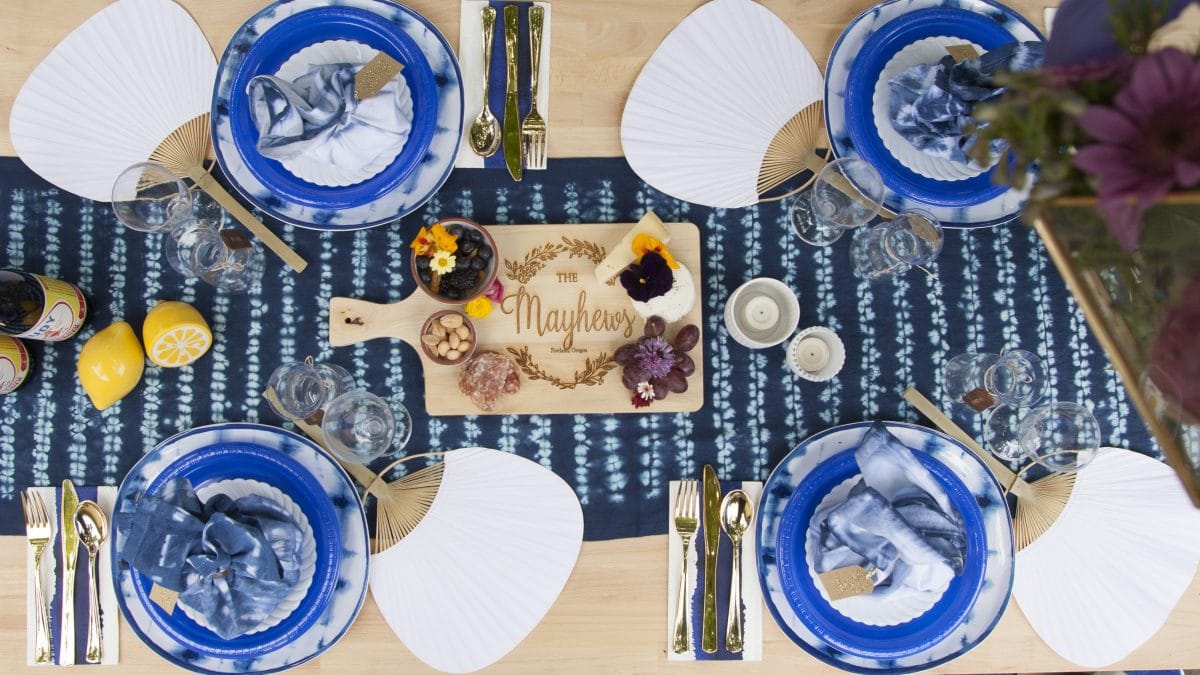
[1148, 143]
[656, 357]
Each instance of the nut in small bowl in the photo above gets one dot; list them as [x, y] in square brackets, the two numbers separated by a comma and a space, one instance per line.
[448, 338]
[454, 260]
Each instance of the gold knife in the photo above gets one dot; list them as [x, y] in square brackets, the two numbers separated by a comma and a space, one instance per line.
[70, 551]
[512, 112]
[712, 542]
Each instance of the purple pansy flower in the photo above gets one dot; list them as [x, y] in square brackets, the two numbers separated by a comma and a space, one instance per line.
[1148, 143]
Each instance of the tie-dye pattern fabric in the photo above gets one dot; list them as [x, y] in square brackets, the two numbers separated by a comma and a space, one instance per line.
[995, 288]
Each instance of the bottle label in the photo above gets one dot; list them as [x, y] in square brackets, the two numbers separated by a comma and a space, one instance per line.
[14, 364]
[63, 314]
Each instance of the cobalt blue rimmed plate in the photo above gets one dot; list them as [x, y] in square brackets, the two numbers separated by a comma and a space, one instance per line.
[339, 208]
[330, 502]
[277, 45]
[968, 610]
[859, 57]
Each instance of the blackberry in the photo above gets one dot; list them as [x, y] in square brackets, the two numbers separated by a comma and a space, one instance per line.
[461, 281]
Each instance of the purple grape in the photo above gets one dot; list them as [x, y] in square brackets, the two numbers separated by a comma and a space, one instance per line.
[655, 326]
[684, 364]
[676, 381]
[626, 355]
[687, 337]
[632, 377]
[660, 388]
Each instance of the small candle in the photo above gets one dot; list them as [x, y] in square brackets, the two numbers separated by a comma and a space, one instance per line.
[812, 354]
[760, 313]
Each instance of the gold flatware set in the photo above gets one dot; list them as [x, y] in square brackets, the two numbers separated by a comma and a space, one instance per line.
[696, 503]
[524, 141]
[79, 523]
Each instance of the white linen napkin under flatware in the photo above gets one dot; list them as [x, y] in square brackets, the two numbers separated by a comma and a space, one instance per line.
[106, 497]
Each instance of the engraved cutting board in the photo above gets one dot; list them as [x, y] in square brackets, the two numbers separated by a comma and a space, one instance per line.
[565, 357]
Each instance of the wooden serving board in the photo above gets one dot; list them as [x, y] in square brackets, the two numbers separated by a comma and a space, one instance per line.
[565, 356]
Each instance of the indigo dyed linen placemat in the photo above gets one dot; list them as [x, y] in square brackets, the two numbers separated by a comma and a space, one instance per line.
[995, 288]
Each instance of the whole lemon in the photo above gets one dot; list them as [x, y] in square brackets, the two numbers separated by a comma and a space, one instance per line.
[110, 364]
[175, 334]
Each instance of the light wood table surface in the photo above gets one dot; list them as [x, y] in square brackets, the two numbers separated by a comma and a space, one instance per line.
[611, 616]
[597, 49]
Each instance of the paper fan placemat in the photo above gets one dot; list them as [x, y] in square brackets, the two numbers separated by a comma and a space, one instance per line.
[484, 565]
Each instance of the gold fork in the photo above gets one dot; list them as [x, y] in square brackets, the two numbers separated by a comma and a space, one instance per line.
[533, 129]
[37, 530]
[687, 518]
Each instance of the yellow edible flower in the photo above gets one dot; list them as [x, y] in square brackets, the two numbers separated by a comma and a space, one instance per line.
[479, 308]
[442, 262]
[422, 243]
[644, 243]
[443, 239]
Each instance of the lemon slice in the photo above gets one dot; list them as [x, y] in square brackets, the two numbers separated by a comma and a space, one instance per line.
[175, 334]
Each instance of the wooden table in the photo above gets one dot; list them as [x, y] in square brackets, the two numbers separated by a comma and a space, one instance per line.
[611, 616]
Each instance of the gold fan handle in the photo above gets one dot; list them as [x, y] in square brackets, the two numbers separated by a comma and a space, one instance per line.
[206, 182]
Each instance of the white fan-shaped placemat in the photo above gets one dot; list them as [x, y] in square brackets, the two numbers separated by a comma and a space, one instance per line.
[237, 488]
[1105, 576]
[710, 100]
[922, 52]
[110, 93]
[341, 51]
[887, 607]
[485, 563]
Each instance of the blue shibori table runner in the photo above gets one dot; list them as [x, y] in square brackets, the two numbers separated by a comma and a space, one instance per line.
[995, 288]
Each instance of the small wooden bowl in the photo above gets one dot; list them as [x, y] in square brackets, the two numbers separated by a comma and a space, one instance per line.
[489, 273]
[431, 350]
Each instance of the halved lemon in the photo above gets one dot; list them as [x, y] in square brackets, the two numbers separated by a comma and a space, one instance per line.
[175, 334]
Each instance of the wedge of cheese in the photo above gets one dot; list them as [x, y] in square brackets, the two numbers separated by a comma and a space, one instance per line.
[621, 256]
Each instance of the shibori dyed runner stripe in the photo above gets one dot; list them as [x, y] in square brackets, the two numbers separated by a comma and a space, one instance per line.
[995, 288]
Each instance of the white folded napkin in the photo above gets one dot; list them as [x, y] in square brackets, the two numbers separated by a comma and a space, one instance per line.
[110, 613]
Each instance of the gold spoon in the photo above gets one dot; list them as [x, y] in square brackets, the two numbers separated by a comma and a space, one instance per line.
[485, 130]
[736, 514]
[93, 530]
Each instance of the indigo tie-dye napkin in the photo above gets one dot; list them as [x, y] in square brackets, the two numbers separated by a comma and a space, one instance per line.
[231, 560]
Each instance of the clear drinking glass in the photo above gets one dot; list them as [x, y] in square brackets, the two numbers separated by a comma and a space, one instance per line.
[359, 426]
[911, 239]
[848, 193]
[303, 388]
[1014, 377]
[148, 197]
[1061, 436]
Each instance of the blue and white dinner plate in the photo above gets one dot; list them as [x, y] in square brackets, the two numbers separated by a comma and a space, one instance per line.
[330, 502]
[859, 57]
[968, 610]
[270, 38]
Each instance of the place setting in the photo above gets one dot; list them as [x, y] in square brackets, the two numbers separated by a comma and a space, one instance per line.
[793, 338]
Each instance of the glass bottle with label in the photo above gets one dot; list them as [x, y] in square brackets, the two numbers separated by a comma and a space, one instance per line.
[14, 364]
[35, 307]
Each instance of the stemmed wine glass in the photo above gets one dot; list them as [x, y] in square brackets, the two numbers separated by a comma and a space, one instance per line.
[911, 239]
[148, 197]
[357, 426]
[848, 193]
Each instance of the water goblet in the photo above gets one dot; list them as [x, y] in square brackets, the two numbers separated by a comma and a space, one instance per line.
[359, 426]
[848, 193]
[981, 380]
[911, 239]
[303, 388]
[1061, 436]
[148, 197]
